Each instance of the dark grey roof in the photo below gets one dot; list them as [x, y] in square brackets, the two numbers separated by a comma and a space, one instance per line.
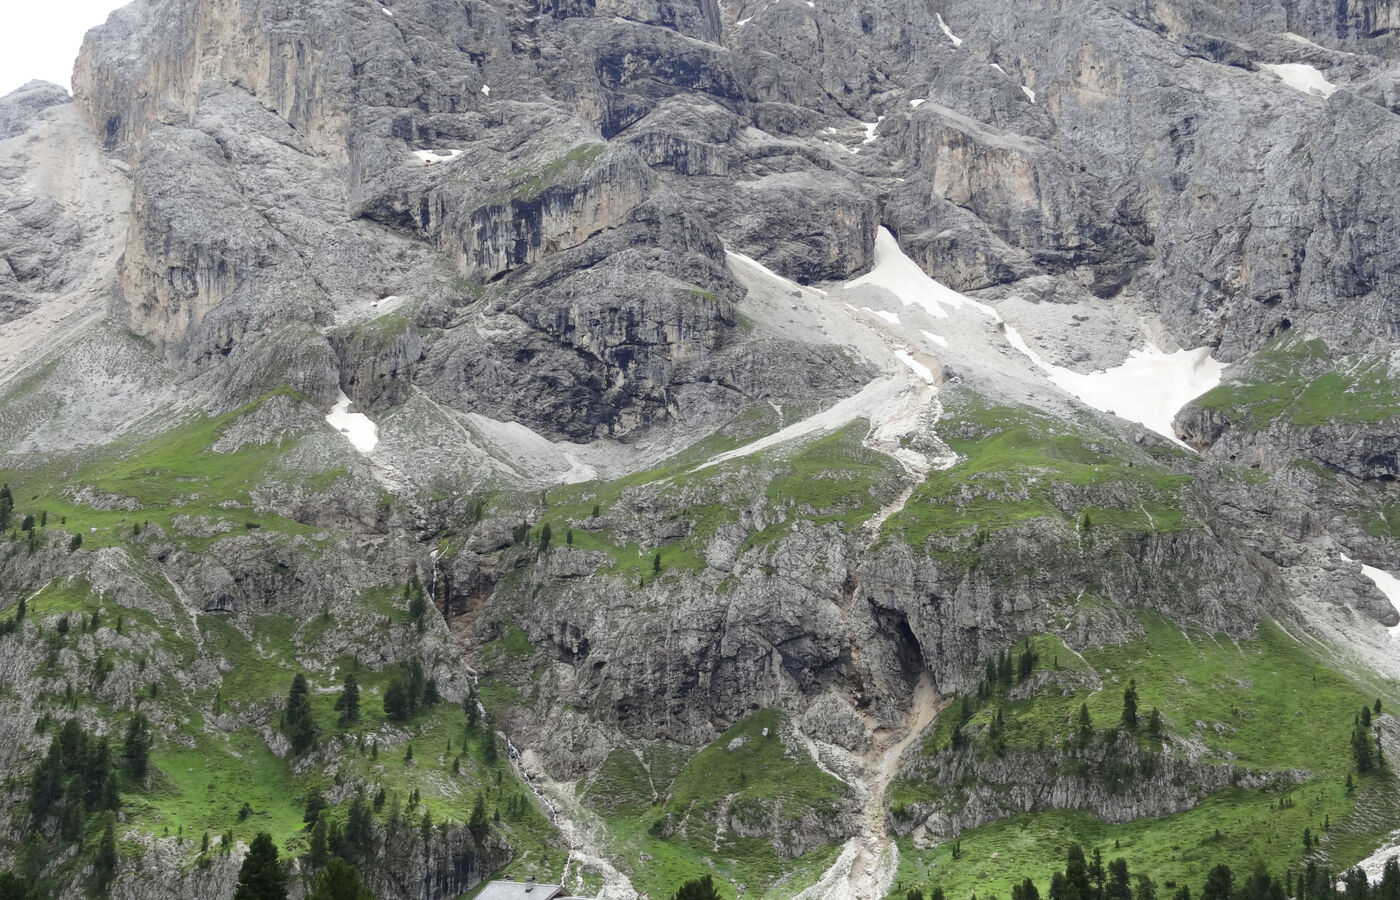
[520, 890]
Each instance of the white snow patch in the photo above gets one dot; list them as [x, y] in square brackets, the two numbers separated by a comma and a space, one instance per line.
[870, 129]
[435, 156]
[998, 67]
[388, 12]
[917, 102]
[486, 89]
[934, 338]
[914, 365]
[1301, 77]
[357, 427]
[1390, 586]
[957, 41]
[902, 277]
[874, 397]
[892, 318]
[1299, 39]
[1028, 92]
[773, 275]
[388, 304]
[1148, 388]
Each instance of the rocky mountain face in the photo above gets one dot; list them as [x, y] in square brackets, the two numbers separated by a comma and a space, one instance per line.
[729, 382]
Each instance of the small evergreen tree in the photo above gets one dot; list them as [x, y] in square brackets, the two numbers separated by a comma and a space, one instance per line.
[1086, 727]
[104, 864]
[698, 889]
[546, 534]
[261, 877]
[320, 852]
[339, 881]
[476, 824]
[1218, 884]
[1154, 724]
[417, 603]
[348, 703]
[1130, 701]
[137, 747]
[315, 805]
[298, 722]
[396, 702]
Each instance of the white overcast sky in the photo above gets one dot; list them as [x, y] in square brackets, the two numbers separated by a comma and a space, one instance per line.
[40, 38]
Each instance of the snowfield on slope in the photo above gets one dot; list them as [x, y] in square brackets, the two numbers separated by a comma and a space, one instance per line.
[358, 429]
[1149, 387]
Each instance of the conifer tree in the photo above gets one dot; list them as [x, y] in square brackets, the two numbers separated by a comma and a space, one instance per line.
[348, 703]
[1130, 700]
[698, 889]
[339, 881]
[261, 877]
[477, 823]
[137, 747]
[315, 805]
[298, 722]
[104, 864]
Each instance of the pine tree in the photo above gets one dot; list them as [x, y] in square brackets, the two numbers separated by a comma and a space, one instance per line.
[1218, 884]
[698, 889]
[137, 747]
[7, 507]
[417, 603]
[1130, 701]
[320, 852]
[1119, 885]
[359, 829]
[1086, 727]
[104, 864]
[1365, 717]
[298, 722]
[1026, 890]
[569, 537]
[396, 703]
[348, 703]
[1154, 724]
[315, 805]
[1361, 748]
[546, 534]
[339, 881]
[477, 823]
[261, 876]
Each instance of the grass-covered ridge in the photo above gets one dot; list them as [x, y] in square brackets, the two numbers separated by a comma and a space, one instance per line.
[1015, 465]
[672, 817]
[1300, 382]
[1269, 704]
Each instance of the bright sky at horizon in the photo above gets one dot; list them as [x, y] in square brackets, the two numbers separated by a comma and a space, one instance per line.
[41, 40]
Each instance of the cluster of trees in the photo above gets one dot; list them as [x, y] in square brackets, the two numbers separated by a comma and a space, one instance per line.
[263, 876]
[408, 691]
[1365, 748]
[77, 777]
[1087, 878]
[78, 780]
